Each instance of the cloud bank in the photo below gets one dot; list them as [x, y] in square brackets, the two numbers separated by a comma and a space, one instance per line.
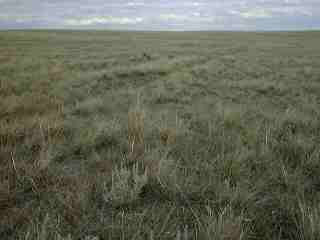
[161, 14]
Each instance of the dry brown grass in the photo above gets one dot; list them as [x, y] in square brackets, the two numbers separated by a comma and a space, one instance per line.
[167, 136]
[17, 179]
[48, 133]
[152, 168]
[19, 175]
[56, 71]
[232, 231]
[76, 192]
[15, 217]
[6, 57]
[75, 198]
[31, 130]
[136, 128]
[102, 166]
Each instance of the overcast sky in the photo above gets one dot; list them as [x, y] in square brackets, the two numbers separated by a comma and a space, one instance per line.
[162, 14]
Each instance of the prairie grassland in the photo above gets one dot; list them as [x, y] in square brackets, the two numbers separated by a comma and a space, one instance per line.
[136, 135]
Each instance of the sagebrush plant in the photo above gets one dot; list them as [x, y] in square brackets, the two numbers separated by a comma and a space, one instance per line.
[126, 185]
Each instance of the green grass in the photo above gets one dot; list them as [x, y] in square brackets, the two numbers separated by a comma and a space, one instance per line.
[136, 135]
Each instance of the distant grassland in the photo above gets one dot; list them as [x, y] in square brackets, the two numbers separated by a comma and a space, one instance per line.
[136, 135]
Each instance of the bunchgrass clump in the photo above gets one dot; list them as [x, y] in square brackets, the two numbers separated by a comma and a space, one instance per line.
[126, 185]
[223, 226]
[161, 168]
[307, 222]
[136, 131]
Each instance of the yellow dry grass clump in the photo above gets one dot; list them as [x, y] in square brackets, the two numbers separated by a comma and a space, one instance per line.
[136, 134]
[167, 136]
[56, 71]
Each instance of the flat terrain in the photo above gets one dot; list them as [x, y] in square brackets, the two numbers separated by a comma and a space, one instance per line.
[135, 135]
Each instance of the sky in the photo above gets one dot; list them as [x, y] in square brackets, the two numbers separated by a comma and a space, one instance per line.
[180, 15]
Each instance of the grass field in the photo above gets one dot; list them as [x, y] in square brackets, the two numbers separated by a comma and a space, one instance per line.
[136, 135]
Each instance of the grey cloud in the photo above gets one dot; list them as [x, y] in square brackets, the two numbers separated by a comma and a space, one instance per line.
[162, 14]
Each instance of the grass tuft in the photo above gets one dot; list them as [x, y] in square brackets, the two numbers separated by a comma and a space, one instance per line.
[126, 185]
[308, 222]
[136, 132]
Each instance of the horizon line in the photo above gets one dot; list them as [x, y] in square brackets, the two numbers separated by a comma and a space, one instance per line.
[159, 30]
